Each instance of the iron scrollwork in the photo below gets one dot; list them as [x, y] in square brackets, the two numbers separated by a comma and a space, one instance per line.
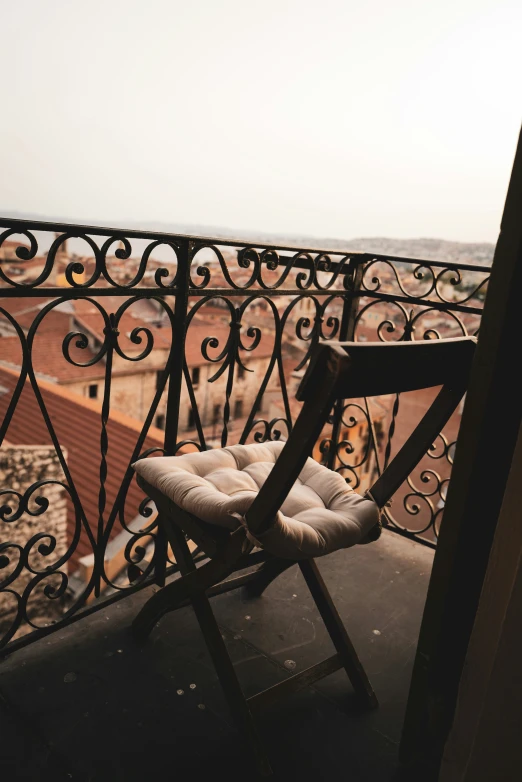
[157, 307]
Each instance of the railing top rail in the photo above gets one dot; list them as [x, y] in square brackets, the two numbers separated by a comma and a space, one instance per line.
[95, 230]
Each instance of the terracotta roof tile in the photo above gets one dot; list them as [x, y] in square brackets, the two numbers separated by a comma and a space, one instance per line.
[49, 360]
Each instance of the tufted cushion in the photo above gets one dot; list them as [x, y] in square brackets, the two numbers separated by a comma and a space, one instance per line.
[320, 514]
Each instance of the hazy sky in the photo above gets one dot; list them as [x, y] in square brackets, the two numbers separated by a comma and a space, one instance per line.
[330, 118]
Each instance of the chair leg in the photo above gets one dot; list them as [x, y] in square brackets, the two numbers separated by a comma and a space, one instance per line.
[227, 676]
[267, 573]
[193, 584]
[337, 632]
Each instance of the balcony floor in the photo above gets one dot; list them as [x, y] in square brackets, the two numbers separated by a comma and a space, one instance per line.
[120, 717]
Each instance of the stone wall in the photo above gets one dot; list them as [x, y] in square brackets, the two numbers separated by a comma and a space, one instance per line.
[20, 467]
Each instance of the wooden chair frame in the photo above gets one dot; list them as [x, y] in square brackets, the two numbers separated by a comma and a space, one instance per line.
[337, 370]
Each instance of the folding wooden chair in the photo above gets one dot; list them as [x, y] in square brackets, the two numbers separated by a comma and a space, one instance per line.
[257, 535]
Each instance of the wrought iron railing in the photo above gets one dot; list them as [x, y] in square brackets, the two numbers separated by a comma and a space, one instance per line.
[204, 339]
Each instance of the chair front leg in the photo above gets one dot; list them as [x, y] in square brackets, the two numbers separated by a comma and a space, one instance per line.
[337, 631]
[227, 676]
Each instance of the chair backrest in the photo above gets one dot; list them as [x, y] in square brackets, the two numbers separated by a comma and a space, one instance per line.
[344, 370]
[377, 368]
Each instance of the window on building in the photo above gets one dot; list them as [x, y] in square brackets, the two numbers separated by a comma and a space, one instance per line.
[240, 371]
[159, 378]
[238, 408]
[195, 376]
[93, 391]
[191, 423]
[216, 414]
[160, 421]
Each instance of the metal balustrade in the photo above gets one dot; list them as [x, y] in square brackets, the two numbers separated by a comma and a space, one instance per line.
[170, 343]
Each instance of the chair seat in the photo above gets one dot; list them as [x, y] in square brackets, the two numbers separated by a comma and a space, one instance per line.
[320, 514]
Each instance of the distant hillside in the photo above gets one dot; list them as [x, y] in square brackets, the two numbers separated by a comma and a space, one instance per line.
[425, 249]
[429, 249]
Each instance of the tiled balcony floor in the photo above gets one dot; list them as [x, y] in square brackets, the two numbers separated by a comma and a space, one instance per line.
[118, 715]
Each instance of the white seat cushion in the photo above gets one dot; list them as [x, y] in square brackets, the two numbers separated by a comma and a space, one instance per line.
[320, 514]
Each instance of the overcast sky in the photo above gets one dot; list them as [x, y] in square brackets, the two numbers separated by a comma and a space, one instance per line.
[330, 118]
